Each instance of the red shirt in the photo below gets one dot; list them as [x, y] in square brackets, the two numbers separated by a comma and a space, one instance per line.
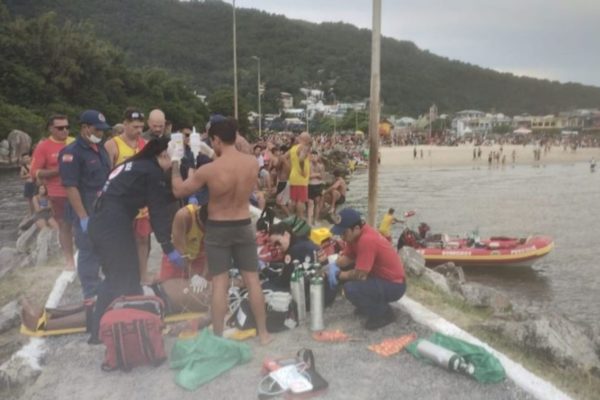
[45, 156]
[375, 255]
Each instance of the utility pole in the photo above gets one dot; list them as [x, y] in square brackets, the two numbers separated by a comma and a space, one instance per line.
[374, 111]
[235, 88]
[259, 93]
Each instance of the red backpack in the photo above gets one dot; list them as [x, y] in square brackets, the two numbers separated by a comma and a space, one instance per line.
[131, 330]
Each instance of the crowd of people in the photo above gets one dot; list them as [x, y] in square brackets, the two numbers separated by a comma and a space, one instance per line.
[108, 192]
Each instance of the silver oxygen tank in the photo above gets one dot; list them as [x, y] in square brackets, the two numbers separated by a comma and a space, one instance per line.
[317, 303]
[297, 289]
[444, 357]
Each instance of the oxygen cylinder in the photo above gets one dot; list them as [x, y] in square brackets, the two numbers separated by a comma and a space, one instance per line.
[444, 357]
[195, 143]
[297, 289]
[317, 303]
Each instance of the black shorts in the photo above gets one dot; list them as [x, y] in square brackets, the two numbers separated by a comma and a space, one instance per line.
[230, 241]
[341, 200]
[280, 187]
[315, 191]
[29, 189]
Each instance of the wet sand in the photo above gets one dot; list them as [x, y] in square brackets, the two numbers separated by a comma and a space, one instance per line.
[462, 156]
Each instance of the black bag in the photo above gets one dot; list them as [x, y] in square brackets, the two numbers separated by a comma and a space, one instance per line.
[266, 219]
[281, 314]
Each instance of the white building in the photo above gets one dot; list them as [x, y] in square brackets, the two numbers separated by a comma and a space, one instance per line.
[286, 100]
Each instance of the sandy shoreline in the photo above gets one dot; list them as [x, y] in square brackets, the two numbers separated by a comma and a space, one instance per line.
[462, 156]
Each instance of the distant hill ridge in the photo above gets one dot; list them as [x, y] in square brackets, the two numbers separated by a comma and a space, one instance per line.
[193, 39]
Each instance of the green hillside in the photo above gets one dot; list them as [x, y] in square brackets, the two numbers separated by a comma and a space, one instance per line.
[48, 67]
[193, 40]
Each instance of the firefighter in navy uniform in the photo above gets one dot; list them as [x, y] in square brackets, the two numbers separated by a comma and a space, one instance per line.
[84, 166]
[137, 183]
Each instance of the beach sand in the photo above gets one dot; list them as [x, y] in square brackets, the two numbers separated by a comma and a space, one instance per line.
[462, 156]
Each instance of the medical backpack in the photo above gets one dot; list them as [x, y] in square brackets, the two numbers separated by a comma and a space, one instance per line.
[131, 329]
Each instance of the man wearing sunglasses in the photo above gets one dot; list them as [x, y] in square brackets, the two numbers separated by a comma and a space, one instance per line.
[84, 166]
[44, 168]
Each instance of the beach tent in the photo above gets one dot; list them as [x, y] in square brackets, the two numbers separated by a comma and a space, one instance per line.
[522, 131]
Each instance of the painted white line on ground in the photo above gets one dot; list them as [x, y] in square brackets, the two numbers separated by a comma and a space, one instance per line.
[533, 384]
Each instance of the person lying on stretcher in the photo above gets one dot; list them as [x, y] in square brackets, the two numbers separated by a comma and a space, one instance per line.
[179, 296]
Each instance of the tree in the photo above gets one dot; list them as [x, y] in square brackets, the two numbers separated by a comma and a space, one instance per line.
[49, 68]
[355, 121]
[221, 102]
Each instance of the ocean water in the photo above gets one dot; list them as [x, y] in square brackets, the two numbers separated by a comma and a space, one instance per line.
[562, 201]
[13, 206]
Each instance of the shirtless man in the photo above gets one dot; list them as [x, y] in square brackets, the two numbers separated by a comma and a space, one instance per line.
[282, 166]
[230, 178]
[335, 195]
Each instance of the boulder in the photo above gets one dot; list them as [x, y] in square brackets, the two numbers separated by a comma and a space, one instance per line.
[436, 279]
[17, 372]
[553, 335]
[478, 295]
[10, 316]
[414, 262]
[455, 276]
[46, 246]
[9, 259]
[26, 240]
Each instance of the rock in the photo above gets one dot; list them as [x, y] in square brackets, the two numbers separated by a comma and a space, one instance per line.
[455, 276]
[46, 246]
[414, 262]
[478, 295]
[9, 259]
[10, 316]
[19, 143]
[437, 280]
[552, 335]
[17, 372]
[27, 239]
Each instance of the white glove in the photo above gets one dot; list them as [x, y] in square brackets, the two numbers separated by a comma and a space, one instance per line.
[175, 152]
[206, 150]
[198, 284]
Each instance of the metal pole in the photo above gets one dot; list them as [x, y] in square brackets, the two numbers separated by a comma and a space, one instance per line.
[334, 124]
[307, 130]
[259, 95]
[374, 111]
[235, 88]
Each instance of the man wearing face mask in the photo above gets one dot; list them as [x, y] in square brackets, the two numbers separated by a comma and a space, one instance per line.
[84, 166]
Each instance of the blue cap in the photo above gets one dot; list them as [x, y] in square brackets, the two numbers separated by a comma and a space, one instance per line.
[347, 218]
[95, 119]
[214, 119]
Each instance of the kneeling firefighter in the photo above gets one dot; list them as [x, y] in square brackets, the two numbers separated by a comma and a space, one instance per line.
[139, 182]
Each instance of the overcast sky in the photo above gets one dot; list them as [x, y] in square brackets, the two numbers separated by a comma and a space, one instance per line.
[552, 39]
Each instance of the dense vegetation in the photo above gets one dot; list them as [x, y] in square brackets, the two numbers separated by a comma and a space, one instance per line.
[192, 40]
[47, 67]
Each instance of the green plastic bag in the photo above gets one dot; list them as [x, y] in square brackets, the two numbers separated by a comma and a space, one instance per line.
[488, 368]
[202, 358]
